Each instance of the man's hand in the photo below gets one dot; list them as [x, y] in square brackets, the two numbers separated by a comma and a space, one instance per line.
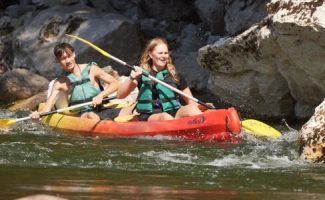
[97, 100]
[35, 116]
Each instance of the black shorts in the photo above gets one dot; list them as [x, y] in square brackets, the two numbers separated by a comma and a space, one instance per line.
[145, 116]
[108, 114]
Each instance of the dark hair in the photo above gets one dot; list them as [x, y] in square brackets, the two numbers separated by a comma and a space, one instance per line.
[62, 48]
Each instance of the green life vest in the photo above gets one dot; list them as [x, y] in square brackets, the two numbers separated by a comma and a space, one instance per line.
[167, 99]
[82, 90]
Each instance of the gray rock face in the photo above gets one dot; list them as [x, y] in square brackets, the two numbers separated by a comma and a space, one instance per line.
[21, 84]
[212, 13]
[34, 41]
[312, 136]
[168, 10]
[240, 15]
[226, 17]
[275, 68]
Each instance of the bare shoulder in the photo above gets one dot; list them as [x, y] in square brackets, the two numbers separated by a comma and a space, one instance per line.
[95, 67]
[61, 83]
[96, 70]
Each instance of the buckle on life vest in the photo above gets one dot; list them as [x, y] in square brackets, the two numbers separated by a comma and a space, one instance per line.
[156, 103]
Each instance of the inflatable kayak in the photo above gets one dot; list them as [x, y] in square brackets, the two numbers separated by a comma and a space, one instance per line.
[212, 125]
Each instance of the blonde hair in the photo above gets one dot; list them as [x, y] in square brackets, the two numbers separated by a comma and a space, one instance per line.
[146, 62]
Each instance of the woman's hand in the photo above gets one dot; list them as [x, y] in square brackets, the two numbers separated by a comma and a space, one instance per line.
[135, 73]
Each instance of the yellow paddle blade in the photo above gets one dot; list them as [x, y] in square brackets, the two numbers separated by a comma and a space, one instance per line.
[6, 122]
[254, 127]
[126, 118]
[91, 44]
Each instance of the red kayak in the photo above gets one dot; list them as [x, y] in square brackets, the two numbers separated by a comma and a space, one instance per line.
[212, 125]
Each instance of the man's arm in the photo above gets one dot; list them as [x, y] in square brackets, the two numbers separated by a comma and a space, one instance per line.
[110, 81]
[57, 87]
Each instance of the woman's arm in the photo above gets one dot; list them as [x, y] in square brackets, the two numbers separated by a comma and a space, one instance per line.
[187, 100]
[129, 85]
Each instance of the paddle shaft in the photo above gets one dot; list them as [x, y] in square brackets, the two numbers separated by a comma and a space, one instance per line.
[67, 108]
[143, 73]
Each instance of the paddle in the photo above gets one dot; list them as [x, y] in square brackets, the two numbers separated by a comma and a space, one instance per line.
[259, 128]
[255, 127]
[144, 73]
[8, 122]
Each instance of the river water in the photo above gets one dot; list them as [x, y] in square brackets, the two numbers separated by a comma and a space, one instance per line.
[36, 160]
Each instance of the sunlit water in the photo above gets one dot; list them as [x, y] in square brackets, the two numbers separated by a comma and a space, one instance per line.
[36, 160]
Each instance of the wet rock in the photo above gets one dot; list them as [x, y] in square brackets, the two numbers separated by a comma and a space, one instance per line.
[30, 103]
[21, 84]
[312, 136]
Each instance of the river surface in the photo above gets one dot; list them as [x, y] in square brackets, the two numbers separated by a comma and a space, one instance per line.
[37, 160]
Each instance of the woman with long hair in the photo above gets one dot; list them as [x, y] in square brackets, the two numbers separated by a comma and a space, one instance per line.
[155, 101]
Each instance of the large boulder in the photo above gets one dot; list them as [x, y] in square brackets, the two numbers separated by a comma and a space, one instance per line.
[31, 103]
[312, 136]
[34, 42]
[275, 69]
[21, 84]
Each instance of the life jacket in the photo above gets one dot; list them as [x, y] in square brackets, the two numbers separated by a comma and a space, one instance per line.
[82, 90]
[167, 98]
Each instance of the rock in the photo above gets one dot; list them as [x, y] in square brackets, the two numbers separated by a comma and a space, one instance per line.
[230, 17]
[3, 69]
[54, 3]
[6, 55]
[312, 136]
[168, 10]
[184, 57]
[212, 13]
[187, 66]
[16, 11]
[240, 77]
[34, 42]
[4, 22]
[21, 84]
[240, 15]
[30, 103]
[274, 69]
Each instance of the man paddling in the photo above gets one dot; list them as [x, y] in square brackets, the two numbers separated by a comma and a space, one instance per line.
[81, 84]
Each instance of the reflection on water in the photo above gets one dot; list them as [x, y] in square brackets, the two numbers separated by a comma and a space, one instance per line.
[131, 192]
[36, 160]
